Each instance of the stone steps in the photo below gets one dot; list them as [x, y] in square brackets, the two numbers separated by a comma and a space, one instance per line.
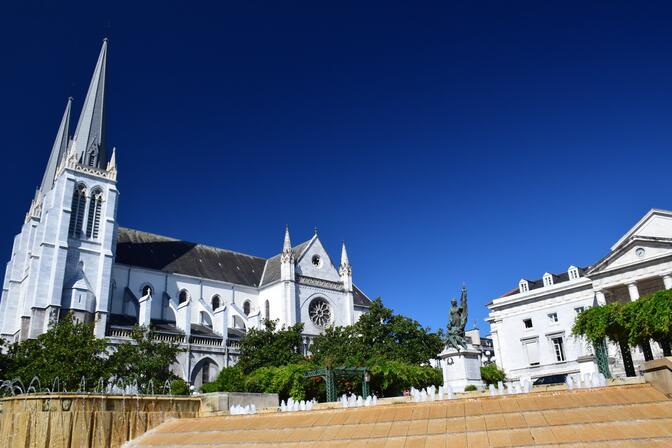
[609, 417]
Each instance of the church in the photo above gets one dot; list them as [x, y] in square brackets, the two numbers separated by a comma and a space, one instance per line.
[71, 256]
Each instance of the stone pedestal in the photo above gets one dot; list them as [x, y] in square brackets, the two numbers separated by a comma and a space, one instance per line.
[587, 364]
[461, 368]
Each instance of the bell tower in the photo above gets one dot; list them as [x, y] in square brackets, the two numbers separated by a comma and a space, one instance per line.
[62, 259]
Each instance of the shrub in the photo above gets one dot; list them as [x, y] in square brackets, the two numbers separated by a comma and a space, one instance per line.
[179, 387]
[470, 388]
[492, 375]
[230, 379]
[390, 378]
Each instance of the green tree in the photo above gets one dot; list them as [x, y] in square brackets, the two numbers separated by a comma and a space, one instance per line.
[378, 334]
[650, 317]
[69, 351]
[492, 375]
[270, 347]
[144, 360]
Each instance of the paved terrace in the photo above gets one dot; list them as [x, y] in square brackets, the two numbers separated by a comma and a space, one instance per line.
[616, 416]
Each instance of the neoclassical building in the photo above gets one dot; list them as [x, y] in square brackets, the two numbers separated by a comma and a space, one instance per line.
[531, 324]
[72, 256]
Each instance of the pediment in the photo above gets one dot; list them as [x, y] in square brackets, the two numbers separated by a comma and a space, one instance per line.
[655, 224]
[637, 249]
[324, 269]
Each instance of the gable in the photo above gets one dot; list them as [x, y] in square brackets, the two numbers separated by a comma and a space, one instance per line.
[325, 270]
[655, 224]
[639, 250]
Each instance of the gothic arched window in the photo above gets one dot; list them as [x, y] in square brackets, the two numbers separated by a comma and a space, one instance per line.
[77, 211]
[184, 296]
[215, 302]
[267, 310]
[246, 307]
[92, 155]
[146, 290]
[95, 206]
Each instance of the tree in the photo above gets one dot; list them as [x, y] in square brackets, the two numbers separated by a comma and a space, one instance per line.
[492, 375]
[269, 347]
[378, 334]
[650, 317]
[144, 360]
[69, 352]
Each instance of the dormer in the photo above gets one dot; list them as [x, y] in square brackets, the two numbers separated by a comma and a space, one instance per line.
[573, 273]
[548, 279]
[523, 285]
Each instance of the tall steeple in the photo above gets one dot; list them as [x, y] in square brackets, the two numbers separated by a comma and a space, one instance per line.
[89, 142]
[58, 150]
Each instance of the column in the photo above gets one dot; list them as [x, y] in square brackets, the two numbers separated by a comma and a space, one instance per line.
[600, 298]
[633, 291]
[667, 280]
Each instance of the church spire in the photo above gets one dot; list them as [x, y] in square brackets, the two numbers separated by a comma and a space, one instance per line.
[57, 150]
[89, 140]
[344, 256]
[287, 245]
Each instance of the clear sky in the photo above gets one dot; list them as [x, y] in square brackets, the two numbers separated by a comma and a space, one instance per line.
[447, 142]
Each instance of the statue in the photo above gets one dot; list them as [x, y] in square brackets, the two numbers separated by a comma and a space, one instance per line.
[456, 323]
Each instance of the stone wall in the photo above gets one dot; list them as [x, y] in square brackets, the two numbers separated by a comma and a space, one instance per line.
[69, 421]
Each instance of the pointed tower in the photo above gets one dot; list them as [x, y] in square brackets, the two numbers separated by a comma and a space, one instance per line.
[62, 258]
[89, 142]
[58, 150]
[287, 259]
[345, 270]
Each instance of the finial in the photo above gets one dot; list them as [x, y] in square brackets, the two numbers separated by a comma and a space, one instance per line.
[105, 39]
[315, 229]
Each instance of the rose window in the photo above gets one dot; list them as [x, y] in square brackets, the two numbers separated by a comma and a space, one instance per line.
[320, 312]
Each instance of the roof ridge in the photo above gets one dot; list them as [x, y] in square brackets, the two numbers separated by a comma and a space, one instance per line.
[207, 246]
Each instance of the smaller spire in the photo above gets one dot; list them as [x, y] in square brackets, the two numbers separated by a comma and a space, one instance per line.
[287, 246]
[58, 150]
[345, 269]
[287, 255]
[344, 255]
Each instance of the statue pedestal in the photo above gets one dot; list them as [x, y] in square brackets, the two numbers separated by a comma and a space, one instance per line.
[461, 368]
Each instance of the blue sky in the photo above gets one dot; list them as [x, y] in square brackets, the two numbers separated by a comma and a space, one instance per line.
[446, 142]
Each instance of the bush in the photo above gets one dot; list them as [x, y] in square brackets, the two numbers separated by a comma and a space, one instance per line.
[492, 375]
[470, 388]
[230, 379]
[390, 378]
[179, 387]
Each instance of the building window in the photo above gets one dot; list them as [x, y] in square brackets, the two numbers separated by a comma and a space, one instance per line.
[215, 302]
[523, 286]
[527, 323]
[184, 296]
[573, 273]
[531, 349]
[559, 348]
[548, 279]
[95, 206]
[579, 309]
[146, 290]
[267, 310]
[320, 312]
[317, 261]
[246, 308]
[553, 318]
[77, 211]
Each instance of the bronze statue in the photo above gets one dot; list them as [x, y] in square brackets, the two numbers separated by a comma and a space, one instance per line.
[456, 322]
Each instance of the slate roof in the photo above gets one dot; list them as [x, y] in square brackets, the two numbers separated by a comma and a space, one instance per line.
[272, 271]
[539, 283]
[147, 250]
[161, 253]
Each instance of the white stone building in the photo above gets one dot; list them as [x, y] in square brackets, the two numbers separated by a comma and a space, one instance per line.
[71, 256]
[531, 324]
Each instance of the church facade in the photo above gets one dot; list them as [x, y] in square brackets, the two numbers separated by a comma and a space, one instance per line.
[531, 325]
[72, 256]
